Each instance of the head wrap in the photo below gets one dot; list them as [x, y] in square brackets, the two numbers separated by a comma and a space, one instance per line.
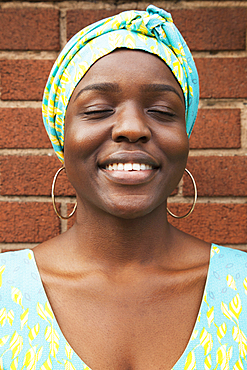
[152, 31]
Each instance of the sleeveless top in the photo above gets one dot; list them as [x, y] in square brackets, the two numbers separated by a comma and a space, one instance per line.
[30, 337]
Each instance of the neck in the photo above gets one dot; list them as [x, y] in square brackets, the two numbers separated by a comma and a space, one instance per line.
[97, 235]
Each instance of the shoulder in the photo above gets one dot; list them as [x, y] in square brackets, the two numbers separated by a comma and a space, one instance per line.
[14, 263]
[227, 281]
[228, 258]
[228, 265]
[18, 273]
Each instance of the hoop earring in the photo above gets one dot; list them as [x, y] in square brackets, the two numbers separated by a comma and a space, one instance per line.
[194, 202]
[53, 197]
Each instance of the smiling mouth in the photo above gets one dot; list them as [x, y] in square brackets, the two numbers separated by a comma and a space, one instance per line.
[129, 167]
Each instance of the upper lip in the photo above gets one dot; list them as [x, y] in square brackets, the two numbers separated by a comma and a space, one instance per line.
[129, 157]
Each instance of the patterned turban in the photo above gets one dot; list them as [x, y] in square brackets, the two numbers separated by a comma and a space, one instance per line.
[152, 31]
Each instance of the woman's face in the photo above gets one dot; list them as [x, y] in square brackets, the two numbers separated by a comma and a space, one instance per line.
[126, 145]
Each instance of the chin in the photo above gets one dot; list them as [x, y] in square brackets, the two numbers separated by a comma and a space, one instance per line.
[129, 209]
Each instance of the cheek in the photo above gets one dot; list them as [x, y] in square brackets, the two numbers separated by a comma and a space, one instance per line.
[82, 140]
[175, 145]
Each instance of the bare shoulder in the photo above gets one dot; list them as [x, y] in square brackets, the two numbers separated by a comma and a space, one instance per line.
[52, 255]
[191, 251]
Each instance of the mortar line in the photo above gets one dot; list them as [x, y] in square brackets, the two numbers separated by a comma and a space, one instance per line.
[244, 127]
[63, 28]
[208, 200]
[36, 198]
[27, 152]
[17, 245]
[28, 55]
[20, 104]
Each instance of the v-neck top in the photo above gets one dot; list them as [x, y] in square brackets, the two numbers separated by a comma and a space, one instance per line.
[30, 337]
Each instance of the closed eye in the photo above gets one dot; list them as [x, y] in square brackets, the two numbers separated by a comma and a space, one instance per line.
[161, 114]
[97, 113]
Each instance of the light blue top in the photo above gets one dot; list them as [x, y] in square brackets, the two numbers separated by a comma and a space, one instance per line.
[30, 337]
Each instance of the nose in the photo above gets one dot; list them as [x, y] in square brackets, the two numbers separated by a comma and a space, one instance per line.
[130, 125]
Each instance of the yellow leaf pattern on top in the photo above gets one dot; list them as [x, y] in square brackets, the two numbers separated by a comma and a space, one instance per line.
[24, 318]
[52, 337]
[4, 340]
[225, 311]
[16, 344]
[3, 316]
[190, 363]
[221, 331]
[206, 341]
[10, 317]
[69, 366]
[47, 365]
[2, 268]
[231, 282]
[210, 316]
[235, 307]
[221, 355]
[238, 365]
[16, 296]
[68, 351]
[34, 332]
[208, 362]
[14, 364]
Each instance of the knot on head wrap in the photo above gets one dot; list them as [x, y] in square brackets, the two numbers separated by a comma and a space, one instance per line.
[152, 31]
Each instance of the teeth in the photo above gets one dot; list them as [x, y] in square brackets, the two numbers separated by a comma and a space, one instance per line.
[136, 166]
[128, 167]
[120, 167]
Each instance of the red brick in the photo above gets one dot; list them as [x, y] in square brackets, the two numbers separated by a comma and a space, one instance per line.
[29, 29]
[212, 28]
[217, 176]
[216, 128]
[32, 175]
[24, 79]
[215, 28]
[222, 77]
[27, 126]
[27, 222]
[78, 19]
[217, 223]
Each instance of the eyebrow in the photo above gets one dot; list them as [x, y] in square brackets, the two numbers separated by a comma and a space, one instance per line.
[161, 88]
[102, 87]
[114, 87]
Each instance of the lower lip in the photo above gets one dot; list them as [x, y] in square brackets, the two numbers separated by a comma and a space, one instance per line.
[130, 177]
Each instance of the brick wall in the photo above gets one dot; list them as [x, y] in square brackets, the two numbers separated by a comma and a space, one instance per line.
[31, 35]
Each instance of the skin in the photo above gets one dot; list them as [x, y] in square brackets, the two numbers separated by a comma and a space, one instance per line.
[125, 286]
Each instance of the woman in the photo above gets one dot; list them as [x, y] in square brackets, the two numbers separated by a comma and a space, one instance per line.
[123, 289]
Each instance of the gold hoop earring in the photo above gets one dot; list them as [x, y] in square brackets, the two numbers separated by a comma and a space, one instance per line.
[53, 197]
[194, 202]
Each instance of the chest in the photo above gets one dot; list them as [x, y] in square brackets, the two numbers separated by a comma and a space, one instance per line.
[126, 329]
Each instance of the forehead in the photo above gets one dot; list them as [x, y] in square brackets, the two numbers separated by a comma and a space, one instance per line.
[124, 66]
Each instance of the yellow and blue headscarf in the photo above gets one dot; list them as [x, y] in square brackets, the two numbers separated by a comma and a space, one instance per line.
[152, 31]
